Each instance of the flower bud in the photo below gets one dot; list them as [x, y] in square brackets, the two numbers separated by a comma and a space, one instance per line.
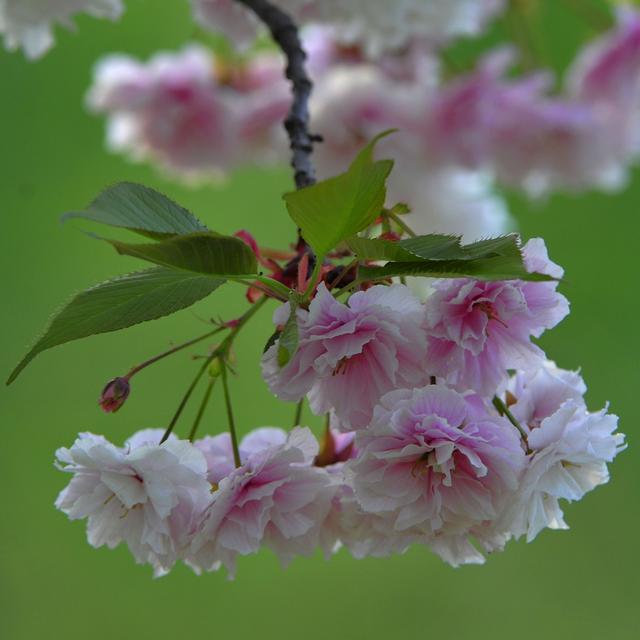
[215, 368]
[115, 394]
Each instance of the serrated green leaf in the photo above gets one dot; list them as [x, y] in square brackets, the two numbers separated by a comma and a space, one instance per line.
[336, 209]
[288, 341]
[120, 303]
[497, 268]
[434, 247]
[139, 209]
[205, 252]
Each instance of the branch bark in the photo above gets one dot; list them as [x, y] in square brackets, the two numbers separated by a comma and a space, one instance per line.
[285, 33]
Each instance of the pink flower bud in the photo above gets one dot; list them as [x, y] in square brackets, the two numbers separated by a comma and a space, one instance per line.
[114, 395]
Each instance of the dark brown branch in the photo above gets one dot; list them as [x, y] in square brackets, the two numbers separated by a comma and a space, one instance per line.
[285, 33]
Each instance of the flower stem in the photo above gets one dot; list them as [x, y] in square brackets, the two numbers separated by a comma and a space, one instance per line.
[266, 286]
[173, 350]
[503, 410]
[232, 422]
[401, 223]
[315, 276]
[185, 398]
[203, 406]
[222, 351]
[298, 415]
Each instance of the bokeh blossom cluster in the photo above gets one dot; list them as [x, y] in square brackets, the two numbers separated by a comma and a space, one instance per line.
[459, 137]
[433, 439]
[29, 24]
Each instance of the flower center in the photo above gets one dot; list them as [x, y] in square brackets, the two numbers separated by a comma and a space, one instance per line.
[341, 367]
[489, 310]
[423, 463]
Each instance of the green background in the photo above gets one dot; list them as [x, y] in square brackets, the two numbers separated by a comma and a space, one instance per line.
[581, 583]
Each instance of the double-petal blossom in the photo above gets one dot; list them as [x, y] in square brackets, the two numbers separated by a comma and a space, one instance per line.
[478, 330]
[349, 355]
[437, 465]
[570, 448]
[276, 498]
[147, 495]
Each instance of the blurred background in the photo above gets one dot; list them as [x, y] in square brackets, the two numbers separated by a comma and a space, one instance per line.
[581, 583]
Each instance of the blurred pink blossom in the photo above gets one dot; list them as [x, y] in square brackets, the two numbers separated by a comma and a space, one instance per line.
[29, 24]
[188, 115]
[375, 25]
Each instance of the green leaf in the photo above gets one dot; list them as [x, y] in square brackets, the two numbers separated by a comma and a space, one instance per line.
[496, 268]
[442, 256]
[435, 247]
[273, 338]
[205, 252]
[140, 209]
[336, 209]
[288, 341]
[120, 303]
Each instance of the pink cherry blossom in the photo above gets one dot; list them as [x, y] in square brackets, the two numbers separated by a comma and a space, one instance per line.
[276, 499]
[375, 25]
[606, 75]
[477, 330]
[228, 17]
[218, 450]
[29, 23]
[347, 524]
[606, 71]
[538, 393]
[382, 25]
[354, 100]
[438, 466]
[349, 355]
[516, 130]
[146, 495]
[570, 451]
[190, 116]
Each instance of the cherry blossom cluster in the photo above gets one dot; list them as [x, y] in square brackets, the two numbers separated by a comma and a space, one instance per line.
[449, 429]
[446, 424]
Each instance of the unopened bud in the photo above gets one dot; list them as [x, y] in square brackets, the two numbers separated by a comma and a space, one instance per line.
[115, 394]
[215, 368]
